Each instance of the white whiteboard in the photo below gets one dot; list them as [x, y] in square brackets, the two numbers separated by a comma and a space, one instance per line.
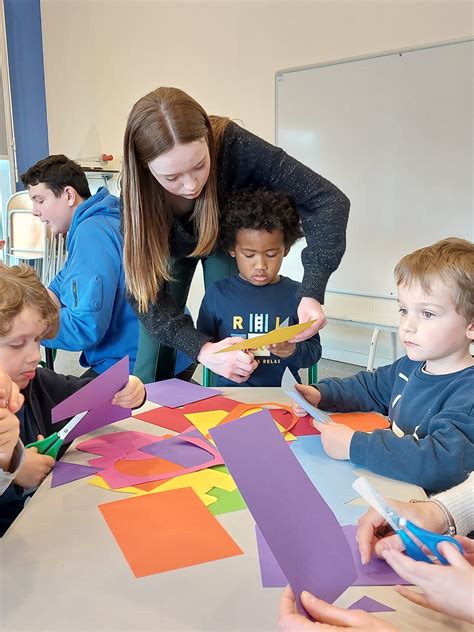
[395, 133]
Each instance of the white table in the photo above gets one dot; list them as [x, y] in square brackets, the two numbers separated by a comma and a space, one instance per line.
[61, 570]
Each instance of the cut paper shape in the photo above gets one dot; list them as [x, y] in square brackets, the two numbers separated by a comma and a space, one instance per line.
[174, 418]
[201, 482]
[242, 410]
[226, 502]
[206, 420]
[121, 442]
[64, 472]
[280, 334]
[153, 532]
[174, 392]
[297, 524]
[95, 397]
[376, 573]
[179, 450]
[370, 605]
[333, 479]
[115, 478]
[304, 427]
[288, 385]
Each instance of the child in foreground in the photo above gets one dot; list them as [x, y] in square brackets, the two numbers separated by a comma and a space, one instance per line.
[28, 314]
[427, 394]
[258, 229]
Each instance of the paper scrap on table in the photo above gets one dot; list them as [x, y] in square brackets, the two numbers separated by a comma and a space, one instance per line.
[174, 418]
[153, 532]
[179, 450]
[64, 472]
[370, 605]
[119, 442]
[280, 334]
[288, 384]
[174, 392]
[297, 524]
[95, 397]
[226, 501]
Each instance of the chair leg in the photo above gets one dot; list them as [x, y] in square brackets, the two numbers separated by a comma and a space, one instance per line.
[313, 374]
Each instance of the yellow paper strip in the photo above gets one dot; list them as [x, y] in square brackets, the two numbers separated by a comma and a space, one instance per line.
[280, 334]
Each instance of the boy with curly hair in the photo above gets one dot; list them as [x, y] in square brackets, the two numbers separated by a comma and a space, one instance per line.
[258, 228]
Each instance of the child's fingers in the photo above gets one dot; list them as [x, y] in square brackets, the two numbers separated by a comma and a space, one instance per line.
[319, 425]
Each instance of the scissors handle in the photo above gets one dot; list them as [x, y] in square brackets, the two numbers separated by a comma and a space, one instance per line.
[429, 539]
[49, 446]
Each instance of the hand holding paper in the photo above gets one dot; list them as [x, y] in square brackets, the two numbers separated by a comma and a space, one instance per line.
[291, 388]
[238, 365]
[310, 310]
[326, 616]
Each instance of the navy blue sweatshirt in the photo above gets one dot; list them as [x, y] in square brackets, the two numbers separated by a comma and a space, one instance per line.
[234, 307]
[431, 442]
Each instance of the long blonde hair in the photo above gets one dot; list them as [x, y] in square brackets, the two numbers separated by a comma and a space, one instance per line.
[157, 122]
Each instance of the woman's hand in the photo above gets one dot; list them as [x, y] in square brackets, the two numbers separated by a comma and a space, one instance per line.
[132, 395]
[447, 589]
[237, 366]
[372, 530]
[309, 309]
[326, 616]
[35, 468]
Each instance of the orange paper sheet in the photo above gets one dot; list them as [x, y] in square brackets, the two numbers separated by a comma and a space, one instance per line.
[153, 532]
[366, 422]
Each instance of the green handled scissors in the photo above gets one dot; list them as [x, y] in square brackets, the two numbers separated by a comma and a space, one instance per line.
[52, 444]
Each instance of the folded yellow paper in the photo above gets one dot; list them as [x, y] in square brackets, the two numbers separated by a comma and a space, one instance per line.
[280, 334]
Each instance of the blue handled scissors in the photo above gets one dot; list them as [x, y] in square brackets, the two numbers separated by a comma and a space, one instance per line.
[52, 444]
[405, 528]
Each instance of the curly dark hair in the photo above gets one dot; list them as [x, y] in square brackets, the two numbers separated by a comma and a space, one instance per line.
[259, 209]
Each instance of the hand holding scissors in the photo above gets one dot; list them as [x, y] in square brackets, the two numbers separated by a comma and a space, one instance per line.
[52, 444]
[412, 536]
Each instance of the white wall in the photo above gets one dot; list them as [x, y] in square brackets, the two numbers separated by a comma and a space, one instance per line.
[101, 56]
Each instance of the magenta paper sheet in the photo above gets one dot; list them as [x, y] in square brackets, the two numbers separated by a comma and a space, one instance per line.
[117, 479]
[95, 397]
[300, 529]
[173, 393]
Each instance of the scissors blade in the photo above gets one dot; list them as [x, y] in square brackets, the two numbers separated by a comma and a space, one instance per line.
[377, 501]
[62, 434]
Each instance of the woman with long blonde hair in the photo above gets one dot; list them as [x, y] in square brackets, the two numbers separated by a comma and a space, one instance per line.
[179, 166]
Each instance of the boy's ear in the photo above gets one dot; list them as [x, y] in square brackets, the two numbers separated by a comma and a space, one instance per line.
[231, 252]
[470, 331]
[287, 250]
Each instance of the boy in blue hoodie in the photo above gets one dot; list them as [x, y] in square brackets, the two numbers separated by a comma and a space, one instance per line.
[95, 317]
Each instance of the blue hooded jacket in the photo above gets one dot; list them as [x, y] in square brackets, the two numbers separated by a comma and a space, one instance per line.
[95, 315]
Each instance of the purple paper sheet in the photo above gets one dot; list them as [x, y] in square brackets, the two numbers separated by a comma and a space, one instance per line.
[173, 393]
[64, 472]
[95, 397]
[376, 573]
[270, 571]
[180, 451]
[370, 605]
[297, 524]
